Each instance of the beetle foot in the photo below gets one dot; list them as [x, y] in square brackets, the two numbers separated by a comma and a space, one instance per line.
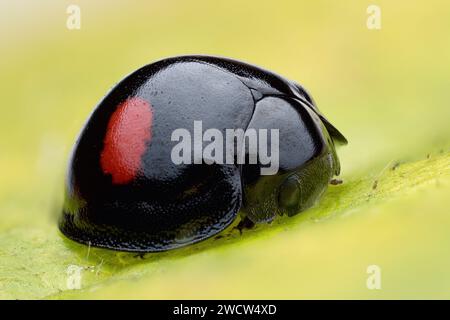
[336, 182]
[245, 223]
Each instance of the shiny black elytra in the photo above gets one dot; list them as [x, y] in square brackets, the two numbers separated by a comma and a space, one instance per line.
[123, 192]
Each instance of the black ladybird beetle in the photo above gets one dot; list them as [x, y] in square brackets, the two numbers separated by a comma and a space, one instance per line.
[123, 190]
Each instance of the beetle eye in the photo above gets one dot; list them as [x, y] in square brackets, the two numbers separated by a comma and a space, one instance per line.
[289, 195]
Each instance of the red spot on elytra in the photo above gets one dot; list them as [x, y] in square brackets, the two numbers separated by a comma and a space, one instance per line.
[128, 133]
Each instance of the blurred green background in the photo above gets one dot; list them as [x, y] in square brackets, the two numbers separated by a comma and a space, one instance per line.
[387, 90]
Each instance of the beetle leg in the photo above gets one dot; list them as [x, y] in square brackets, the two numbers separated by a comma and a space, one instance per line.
[245, 223]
